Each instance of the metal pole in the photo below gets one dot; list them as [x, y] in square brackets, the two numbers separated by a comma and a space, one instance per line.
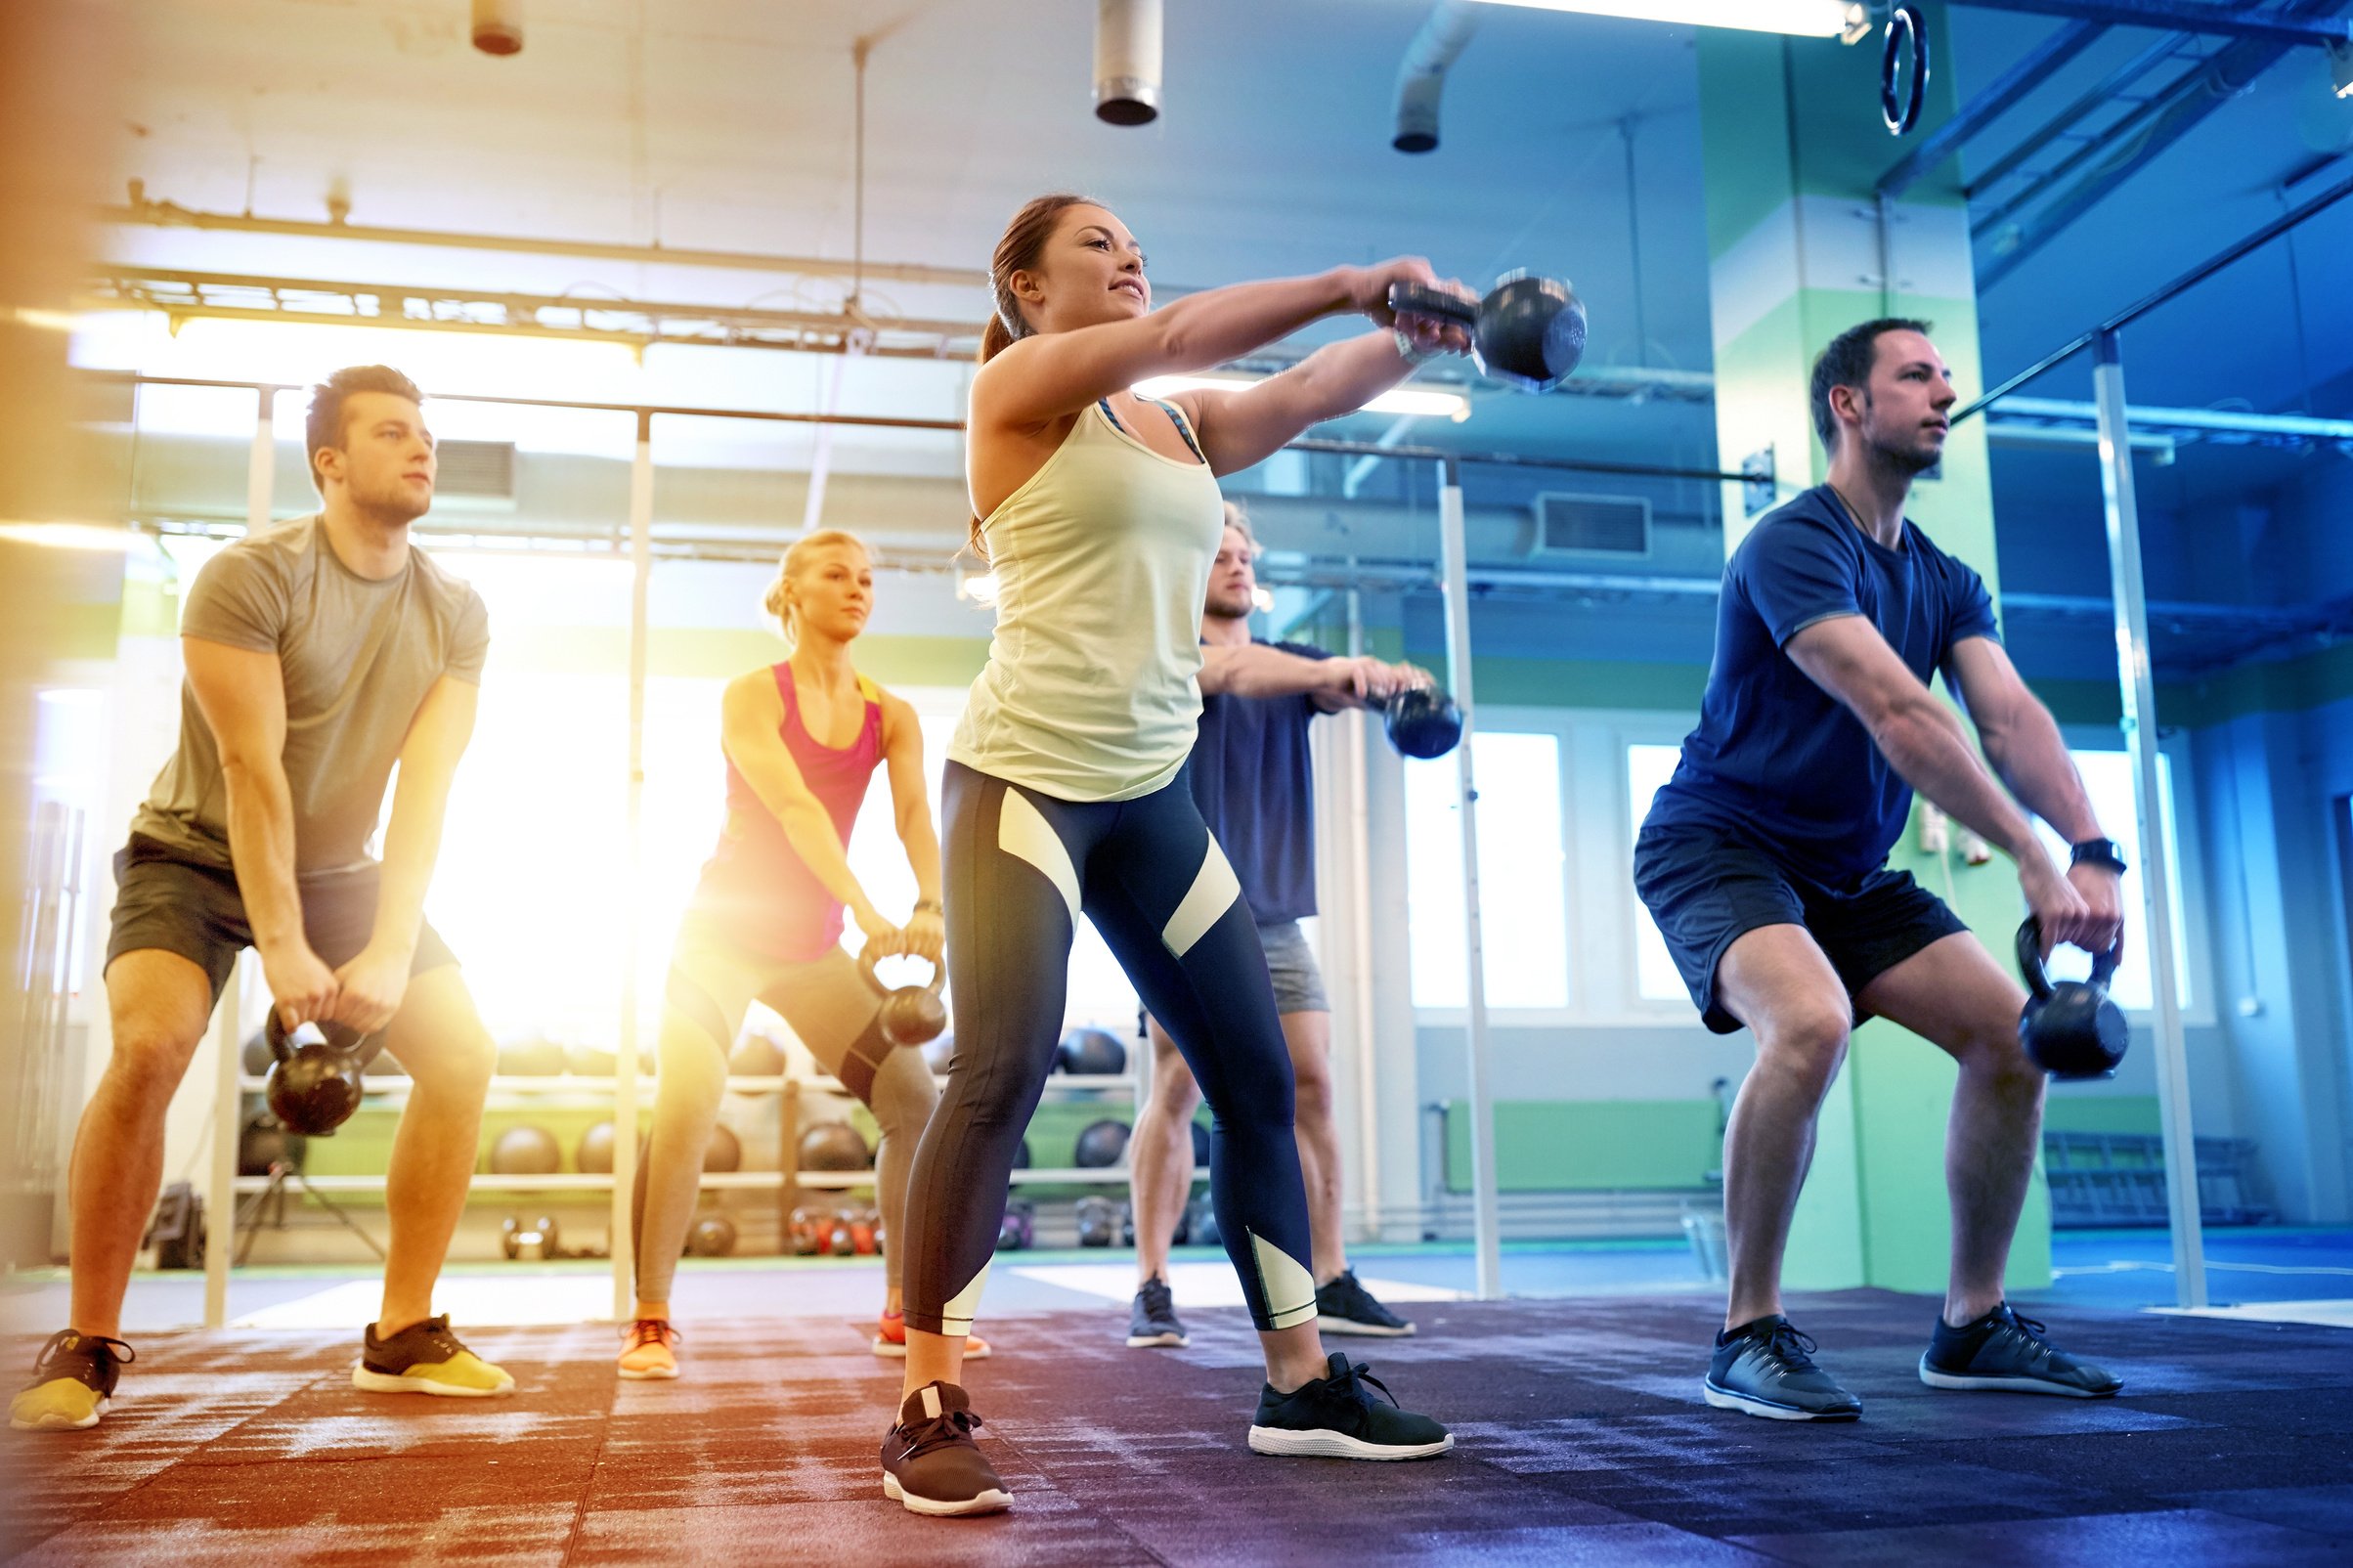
[1454, 557]
[2138, 688]
[220, 1187]
[624, 1064]
[1359, 934]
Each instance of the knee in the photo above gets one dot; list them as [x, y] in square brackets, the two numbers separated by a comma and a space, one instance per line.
[459, 1063]
[1312, 1091]
[1992, 1049]
[1807, 1046]
[146, 1065]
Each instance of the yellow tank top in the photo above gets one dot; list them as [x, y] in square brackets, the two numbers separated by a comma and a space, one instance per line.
[1102, 562]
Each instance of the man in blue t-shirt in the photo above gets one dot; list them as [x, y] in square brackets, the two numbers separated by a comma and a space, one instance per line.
[1253, 778]
[1763, 862]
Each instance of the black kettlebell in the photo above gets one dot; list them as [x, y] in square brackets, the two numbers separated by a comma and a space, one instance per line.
[1421, 721]
[911, 1015]
[314, 1085]
[1527, 333]
[2070, 1027]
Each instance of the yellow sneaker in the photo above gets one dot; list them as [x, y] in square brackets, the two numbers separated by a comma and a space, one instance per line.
[426, 1358]
[647, 1354]
[72, 1383]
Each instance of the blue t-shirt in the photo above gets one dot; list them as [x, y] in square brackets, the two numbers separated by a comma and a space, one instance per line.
[1776, 760]
[1255, 785]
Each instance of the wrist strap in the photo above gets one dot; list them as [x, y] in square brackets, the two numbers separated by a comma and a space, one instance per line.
[2098, 852]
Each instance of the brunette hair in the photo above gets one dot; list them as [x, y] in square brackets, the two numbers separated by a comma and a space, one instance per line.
[1846, 361]
[1019, 249]
[322, 425]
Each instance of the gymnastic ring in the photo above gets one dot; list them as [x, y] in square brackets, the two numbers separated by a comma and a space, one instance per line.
[1901, 113]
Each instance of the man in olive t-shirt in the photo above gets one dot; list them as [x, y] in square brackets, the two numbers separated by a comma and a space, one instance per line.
[318, 653]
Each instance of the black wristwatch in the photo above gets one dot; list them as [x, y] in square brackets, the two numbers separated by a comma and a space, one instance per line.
[2099, 852]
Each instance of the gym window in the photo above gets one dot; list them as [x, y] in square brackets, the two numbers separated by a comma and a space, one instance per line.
[1522, 874]
[1656, 979]
[2108, 780]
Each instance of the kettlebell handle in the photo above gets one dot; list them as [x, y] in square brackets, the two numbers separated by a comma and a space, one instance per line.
[1419, 299]
[2030, 960]
[868, 958]
[340, 1039]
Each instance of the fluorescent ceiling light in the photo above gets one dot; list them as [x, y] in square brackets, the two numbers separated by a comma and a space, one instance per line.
[1420, 401]
[1809, 18]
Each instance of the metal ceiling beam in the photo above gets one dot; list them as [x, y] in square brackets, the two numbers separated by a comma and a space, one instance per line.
[2037, 67]
[2225, 77]
[171, 216]
[2226, 20]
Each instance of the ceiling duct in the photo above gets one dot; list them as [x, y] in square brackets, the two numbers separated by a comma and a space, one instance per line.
[1421, 75]
[1127, 61]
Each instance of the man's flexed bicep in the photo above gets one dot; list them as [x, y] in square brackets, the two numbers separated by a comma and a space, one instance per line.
[242, 695]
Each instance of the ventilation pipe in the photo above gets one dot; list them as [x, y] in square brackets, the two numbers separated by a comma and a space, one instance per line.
[1422, 74]
[499, 27]
[1127, 61]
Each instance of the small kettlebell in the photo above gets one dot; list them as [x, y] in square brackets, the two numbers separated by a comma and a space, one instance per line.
[1421, 721]
[2070, 1027]
[1527, 333]
[911, 1015]
[314, 1084]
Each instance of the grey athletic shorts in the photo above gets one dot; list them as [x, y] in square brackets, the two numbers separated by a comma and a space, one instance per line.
[1292, 962]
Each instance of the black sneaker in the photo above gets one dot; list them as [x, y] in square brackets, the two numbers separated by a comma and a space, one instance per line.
[1337, 1418]
[1152, 1322]
[1767, 1368]
[73, 1382]
[2003, 1350]
[930, 1460]
[1346, 1307]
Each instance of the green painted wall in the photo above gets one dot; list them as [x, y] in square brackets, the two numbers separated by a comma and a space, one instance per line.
[1555, 1145]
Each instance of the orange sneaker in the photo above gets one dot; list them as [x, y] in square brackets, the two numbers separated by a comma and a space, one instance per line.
[647, 1354]
[891, 1339]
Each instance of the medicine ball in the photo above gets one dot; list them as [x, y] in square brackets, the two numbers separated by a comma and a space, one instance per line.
[1102, 1144]
[713, 1236]
[1091, 1051]
[526, 1152]
[834, 1145]
[755, 1056]
[594, 1155]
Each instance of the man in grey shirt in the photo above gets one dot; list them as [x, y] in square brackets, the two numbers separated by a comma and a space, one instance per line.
[318, 653]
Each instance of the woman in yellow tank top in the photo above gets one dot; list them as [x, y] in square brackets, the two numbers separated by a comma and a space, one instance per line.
[1099, 511]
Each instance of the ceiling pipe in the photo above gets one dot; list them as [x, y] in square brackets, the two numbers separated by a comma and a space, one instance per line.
[2281, 26]
[1421, 75]
[1127, 61]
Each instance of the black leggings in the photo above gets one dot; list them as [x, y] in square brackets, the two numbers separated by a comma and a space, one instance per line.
[1022, 867]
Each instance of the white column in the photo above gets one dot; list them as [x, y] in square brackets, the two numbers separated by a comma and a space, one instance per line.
[1455, 562]
[625, 1062]
[2138, 689]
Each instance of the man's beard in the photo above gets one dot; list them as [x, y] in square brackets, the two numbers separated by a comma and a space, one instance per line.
[390, 507]
[1916, 459]
[1234, 609]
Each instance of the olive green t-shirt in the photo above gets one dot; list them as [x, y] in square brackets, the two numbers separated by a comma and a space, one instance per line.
[358, 657]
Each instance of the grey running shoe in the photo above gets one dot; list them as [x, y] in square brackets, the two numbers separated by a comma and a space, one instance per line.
[1766, 1368]
[2005, 1351]
[1152, 1322]
[1346, 1307]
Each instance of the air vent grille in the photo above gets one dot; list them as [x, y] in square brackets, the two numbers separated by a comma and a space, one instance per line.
[475, 471]
[1592, 525]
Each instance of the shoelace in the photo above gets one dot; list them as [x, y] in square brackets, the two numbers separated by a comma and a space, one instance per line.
[2029, 1329]
[651, 1331]
[1158, 1300]
[1791, 1346]
[101, 1346]
[948, 1426]
[1350, 1384]
[436, 1335]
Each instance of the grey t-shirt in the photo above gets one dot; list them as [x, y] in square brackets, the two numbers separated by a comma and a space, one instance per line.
[357, 658]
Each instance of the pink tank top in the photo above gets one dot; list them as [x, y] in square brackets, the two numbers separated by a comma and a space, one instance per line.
[756, 887]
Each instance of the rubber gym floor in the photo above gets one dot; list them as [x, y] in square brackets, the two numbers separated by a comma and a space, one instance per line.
[1581, 1437]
